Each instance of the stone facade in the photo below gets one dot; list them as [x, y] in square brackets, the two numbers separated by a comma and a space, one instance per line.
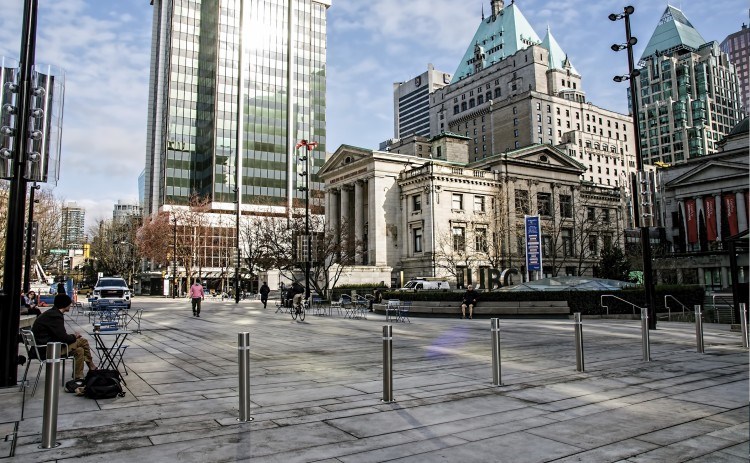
[438, 217]
[703, 204]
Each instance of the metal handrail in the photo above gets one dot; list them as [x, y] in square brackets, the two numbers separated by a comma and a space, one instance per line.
[601, 302]
[725, 299]
[669, 309]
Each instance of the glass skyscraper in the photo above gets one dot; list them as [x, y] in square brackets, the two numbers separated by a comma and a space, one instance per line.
[201, 50]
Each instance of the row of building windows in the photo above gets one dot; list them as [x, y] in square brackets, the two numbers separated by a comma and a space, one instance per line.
[567, 247]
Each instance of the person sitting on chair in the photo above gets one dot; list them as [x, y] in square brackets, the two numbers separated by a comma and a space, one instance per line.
[471, 298]
[29, 304]
[50, 327]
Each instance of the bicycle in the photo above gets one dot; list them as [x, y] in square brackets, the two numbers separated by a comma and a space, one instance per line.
[303, 307]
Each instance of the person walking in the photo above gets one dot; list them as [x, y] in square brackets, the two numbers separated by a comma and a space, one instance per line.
[196, 296]
[264, 290]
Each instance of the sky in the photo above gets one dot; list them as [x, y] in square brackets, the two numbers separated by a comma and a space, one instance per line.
[104, 48]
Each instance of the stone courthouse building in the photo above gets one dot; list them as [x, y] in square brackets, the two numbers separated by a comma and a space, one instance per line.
[442, 215]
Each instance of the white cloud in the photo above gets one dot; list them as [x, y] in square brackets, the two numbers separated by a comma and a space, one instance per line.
[104, 51]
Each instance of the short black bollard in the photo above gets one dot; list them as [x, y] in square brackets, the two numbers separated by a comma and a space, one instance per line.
[387, 363]
[699, 330]
[646, 344]
[243, 356]
[496, 367]
[578, 325]
[53, 372]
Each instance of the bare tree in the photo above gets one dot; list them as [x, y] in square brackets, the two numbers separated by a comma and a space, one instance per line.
[192, 234]
[155, 239]
[329, 252]
[113, 247]
[454, 252]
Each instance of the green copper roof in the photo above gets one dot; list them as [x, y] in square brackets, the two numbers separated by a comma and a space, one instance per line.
[558, 59]
[497, 37]
[673, 32]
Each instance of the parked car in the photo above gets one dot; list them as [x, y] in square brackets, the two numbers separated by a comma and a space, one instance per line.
[426, 285]
[111, 290]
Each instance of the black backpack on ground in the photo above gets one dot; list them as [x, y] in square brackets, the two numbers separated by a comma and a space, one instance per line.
[103, 384]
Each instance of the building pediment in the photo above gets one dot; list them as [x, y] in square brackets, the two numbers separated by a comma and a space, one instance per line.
[343, 159]
[709, 173]
[543, 157]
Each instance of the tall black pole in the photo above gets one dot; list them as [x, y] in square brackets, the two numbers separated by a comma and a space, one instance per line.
[10, 305]
[308, 257]
[174, 256]
[648, 276]
[29, 238]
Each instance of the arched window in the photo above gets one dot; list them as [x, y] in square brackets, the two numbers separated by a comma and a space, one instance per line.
[480, 99]
[497, 92]
[463, 106]
[471, 103]
[455, 109]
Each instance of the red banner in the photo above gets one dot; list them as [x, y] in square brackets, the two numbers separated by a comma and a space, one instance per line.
[730, 211]
[692, 222]
[710, 206]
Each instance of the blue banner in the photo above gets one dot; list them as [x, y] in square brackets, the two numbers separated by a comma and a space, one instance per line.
[533, 243]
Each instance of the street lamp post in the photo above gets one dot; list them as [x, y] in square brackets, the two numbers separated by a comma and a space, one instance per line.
[308, 146]
[10, 306]
[640, 208]
[174, 256]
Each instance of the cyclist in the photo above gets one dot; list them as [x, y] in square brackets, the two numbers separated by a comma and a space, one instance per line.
[296, 292]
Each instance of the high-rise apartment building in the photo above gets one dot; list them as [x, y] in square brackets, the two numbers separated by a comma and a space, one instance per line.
[687, 92]
[73, 218]
[411, 102]
[513, 89]
[202, 88]
[737, 46]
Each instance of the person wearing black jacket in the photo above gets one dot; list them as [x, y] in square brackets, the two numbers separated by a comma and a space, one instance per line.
[294, 294]
[50, 327]
[471, 298]
[264, 290]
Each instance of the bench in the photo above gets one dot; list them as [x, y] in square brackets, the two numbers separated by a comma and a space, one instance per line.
[500, 308]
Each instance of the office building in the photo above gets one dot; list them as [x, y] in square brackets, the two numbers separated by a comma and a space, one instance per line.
[73, 219]
[124, 210]
[193, 113]
[513, 89]
[688, 93]
[737, 46]
[411, 102]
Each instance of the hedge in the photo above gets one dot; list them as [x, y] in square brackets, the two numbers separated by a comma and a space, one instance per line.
[586, 302]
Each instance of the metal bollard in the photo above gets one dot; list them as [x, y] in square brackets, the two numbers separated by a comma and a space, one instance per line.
[496, 370]
[743, 324]
[578, 325]
[53, 372]
[646, 344]
[243, 357]
[699, 329]
[387, 363]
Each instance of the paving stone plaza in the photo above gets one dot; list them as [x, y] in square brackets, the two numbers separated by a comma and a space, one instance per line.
[316, 390]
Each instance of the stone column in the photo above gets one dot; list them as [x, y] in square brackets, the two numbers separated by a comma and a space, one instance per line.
[741, 211]
[359, 217]
[403, 233]
[333, 213]
[346, 223]
[719, 208]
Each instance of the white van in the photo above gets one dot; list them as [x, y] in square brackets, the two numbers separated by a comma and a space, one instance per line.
[426, 285]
